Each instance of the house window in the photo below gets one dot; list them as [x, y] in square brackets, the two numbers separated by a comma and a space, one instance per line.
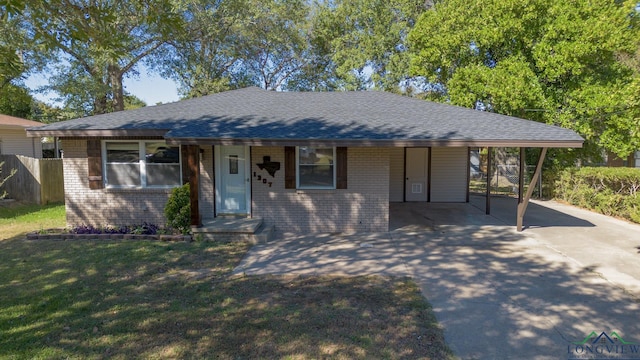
[316, 167]
[132, 164]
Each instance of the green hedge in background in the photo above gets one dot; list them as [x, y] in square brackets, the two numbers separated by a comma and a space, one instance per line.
[610, 191]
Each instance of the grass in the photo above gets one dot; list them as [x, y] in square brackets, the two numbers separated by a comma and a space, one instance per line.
[158, 300]
[17, 219]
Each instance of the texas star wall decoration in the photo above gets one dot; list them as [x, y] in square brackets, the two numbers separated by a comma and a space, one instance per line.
[270, 166]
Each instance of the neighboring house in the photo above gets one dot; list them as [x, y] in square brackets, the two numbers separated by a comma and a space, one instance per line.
[302, 161]
[633, 160]
[14, 140]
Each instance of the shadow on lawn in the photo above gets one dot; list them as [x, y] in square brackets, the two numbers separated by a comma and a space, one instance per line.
[155, 299]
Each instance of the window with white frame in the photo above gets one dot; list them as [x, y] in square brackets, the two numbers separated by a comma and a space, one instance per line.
[316, 167]
[131, 164]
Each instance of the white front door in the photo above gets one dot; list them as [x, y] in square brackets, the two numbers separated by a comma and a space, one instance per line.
[416, 171]
[232, 180]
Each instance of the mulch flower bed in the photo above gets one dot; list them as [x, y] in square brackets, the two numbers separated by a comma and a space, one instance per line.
[66, 236]
[88, 232]
[60, 234]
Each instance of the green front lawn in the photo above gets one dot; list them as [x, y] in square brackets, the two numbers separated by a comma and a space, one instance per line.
[17, 220]
[158, 300]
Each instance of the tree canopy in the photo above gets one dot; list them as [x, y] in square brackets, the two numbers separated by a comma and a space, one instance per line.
[94, 44]
[290, 45]
[15, 60]
[556, 61]
[367, 41]
[11, 41]
[15, 101]
[210, 46]
[570, 63]
[200, 55]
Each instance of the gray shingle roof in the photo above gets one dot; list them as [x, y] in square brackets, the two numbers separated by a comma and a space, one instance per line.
[254, 114]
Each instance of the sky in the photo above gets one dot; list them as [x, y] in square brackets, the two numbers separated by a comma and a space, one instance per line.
[150, 88]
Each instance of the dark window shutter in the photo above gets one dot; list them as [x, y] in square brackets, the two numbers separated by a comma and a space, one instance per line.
[341, 169]
[289, 167]
[94, 157]
[185, 164]
[193, 163]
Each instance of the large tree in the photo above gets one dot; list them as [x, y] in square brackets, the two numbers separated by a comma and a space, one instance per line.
[555, 61]
[11, 65]
[15, 101]
[273, 41]
[95, 44]
[201, 55]
[291, 45]
[16, 60]
[11, 38]
[370, 47]
[236, 43]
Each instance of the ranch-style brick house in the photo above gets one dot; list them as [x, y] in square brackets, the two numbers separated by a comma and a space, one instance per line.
[300, 161]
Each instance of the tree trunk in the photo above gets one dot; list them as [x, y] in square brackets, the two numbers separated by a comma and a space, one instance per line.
[115, 77]
[100, 105]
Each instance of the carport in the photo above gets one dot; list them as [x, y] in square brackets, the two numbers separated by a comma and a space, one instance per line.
[441, 174]
[425, 217]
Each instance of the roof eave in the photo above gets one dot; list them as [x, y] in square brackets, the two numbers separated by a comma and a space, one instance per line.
[379, 143]
[96, 133]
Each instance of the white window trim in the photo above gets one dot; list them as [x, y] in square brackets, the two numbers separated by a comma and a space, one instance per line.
[335, 167]
[141, 163]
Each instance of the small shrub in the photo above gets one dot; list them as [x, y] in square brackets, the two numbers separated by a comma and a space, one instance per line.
[144, 229]
[178, 210]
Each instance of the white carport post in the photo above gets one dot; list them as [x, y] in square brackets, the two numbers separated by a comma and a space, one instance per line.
[523, 202]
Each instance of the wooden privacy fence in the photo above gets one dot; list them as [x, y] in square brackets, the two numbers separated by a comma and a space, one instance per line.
[38, 181]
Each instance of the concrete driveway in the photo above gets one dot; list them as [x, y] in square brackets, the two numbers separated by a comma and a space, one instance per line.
[497, 293]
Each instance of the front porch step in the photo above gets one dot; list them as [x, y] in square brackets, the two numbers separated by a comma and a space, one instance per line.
[230, 228]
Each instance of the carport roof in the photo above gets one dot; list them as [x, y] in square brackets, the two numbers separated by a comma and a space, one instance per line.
[357, 118]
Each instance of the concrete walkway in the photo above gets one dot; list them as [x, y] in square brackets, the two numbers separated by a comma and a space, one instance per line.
[497, 293]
